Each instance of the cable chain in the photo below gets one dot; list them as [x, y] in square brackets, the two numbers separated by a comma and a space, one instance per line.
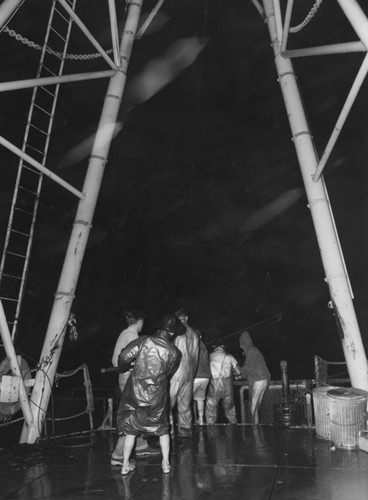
[309, 17]
[36, 46]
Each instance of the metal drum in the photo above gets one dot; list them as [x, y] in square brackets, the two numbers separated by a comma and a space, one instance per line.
[321, 411]
[347, 415]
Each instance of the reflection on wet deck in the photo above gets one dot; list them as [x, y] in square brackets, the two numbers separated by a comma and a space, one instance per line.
[219, 462]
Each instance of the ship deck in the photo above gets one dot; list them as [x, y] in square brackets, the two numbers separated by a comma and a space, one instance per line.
[219, 462]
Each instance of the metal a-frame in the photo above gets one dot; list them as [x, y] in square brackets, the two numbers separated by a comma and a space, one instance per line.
[336, 275]
[311, 167]
[35, 409]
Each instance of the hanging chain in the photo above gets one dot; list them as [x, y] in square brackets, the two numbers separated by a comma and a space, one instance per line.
[309, 17]
[36, 46]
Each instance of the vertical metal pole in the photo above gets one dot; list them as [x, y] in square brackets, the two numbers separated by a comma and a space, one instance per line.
[319, 205]
[64, 296]
[14, 365]
[285, 31]
[114, 32]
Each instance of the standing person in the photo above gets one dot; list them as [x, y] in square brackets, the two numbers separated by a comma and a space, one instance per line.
[181, 384]
[201, 380]
[135, 321]
[223, 366]
[144, 406]
[256, 372]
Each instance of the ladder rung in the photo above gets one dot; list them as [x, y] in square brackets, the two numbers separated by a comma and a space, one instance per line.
[49, 70]
[23, 211]
[31, 169]
[54, 53]
[28, 190]
[62, 15]
[16, 254]
[42, 131]
[20, 232]
[58, 34]
[11, 300]
[37, 151]
[47, 91]
[43, 110]
[12, 276]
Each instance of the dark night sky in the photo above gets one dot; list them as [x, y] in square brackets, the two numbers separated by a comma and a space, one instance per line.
[202, 203]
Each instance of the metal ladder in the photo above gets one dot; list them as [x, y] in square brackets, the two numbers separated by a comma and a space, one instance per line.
[19, 236]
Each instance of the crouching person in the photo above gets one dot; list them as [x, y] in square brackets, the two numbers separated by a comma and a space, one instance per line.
[144, 406]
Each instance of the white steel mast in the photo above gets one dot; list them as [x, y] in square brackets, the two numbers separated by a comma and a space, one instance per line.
[64, 295]
[318, 201]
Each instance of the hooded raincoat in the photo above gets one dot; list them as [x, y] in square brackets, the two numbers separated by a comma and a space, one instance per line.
[256, 372]
[222, 366]
[181, 384]
[254, 367]
[144, 405]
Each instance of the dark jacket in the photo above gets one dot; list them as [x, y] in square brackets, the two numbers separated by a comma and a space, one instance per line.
[254, 367]
[144, 407]
[203, 368]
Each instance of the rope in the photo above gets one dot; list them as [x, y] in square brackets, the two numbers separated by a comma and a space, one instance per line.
[69, 373]
[60, 419]
[36, 46]
[11, 422]
[308, 18]
[5, 420]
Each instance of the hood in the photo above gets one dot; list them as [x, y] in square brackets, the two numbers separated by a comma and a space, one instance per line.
[245, 341]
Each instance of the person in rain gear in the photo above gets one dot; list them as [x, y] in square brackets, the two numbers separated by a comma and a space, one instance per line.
[223, 367]
[256, 372]
[181, 384]
[144, 406]
[201, 380]
[135, 321]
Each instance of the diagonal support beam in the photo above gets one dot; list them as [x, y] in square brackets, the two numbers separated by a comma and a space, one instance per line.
[7, 10]
[362, 73]
[357, 19]
[278, 20]
[285, 33]
[88, 34]
[323, 50]
[114, 32]
[54, 80]
[150, 18]
[41, 168]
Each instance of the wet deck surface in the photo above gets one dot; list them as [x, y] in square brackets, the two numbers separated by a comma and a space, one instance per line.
[219, 462]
